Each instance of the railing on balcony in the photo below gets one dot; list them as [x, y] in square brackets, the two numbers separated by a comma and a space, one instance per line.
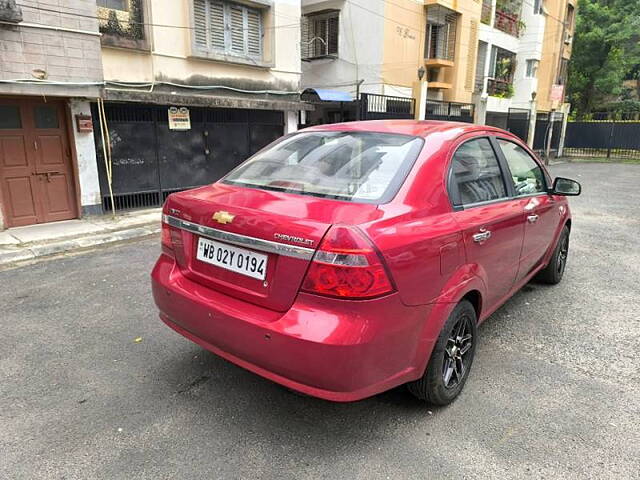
[508, 22]
[441, 33]
[485, 16]
[508, 17]
[499, 88]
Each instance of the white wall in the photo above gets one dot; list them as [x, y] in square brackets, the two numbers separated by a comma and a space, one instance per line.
[86, 155]
[360, 47]
[527, 46]
[530, 47]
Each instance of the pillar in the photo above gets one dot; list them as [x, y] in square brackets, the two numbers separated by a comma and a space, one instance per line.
[419, 93]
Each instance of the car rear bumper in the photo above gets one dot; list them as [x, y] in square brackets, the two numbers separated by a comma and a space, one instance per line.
[329, 348]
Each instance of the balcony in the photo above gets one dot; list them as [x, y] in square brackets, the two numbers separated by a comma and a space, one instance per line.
[485, 16]
[499, 88]
[440, 45]
[507, 18]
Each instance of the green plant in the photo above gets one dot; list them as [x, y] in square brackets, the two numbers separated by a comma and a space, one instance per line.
[508, 92]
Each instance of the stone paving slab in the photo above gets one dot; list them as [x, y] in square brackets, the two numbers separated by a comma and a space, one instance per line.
[23, 244]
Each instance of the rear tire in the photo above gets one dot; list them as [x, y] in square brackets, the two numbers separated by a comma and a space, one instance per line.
[553, 273]
[451, 359]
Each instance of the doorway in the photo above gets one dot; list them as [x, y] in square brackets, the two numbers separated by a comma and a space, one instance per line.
[36, 173]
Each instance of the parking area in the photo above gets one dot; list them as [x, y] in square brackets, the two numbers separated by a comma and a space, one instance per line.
[554, 391]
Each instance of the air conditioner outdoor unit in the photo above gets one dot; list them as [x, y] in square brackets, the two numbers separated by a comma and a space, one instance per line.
[10, 12]
[568, 38]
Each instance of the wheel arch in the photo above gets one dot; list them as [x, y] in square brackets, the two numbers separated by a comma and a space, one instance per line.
[474, 297]
[470, 289]
[568, 224]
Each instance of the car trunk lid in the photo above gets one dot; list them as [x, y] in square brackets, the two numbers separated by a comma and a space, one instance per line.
[286, 228]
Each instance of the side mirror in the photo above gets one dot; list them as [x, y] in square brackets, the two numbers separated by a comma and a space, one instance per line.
[566, 187]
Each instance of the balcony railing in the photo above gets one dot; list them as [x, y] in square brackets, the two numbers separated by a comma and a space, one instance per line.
[485, 16]
[508, 22]
[499, 88]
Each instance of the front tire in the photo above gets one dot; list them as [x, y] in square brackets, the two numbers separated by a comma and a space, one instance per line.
[451, 359]
[553, 273]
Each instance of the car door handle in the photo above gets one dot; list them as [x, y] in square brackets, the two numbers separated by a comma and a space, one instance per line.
[532, 218]
[482, 236]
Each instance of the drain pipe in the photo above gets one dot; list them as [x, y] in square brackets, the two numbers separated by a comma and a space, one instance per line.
[106, 150]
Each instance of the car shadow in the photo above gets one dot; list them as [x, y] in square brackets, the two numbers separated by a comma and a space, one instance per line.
[219, 390]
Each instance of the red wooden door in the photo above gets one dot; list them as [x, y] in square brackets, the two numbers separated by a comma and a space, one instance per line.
[36, 174]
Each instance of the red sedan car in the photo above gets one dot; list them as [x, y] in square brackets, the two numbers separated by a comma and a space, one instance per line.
[344, 260]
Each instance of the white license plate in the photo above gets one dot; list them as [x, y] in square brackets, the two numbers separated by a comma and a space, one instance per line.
[239, 260]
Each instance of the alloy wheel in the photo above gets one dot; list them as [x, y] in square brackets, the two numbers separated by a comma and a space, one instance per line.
[456, 352]
[563, 254]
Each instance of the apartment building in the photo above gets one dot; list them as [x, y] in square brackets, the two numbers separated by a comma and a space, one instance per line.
[502, 56]
[523, 53]
[49, 67]
[193, 87]
[384, 47]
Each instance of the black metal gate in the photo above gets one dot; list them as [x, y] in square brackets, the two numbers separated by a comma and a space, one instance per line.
[383, 107]
[497, 119]
[150, 161]
[449, 111]
[618, 139]
[543, 130]
[518, 122]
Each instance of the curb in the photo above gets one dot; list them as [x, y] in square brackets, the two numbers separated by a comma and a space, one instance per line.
[55, 248]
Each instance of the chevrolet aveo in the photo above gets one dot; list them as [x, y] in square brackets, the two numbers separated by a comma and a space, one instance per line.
[344, 260]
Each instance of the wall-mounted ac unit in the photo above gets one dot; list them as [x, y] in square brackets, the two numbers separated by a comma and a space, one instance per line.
[568, 38]
[10, 12]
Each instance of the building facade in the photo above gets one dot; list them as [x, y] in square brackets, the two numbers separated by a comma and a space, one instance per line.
[113, 104]
[192, 89]
[50, 68]
[503, 56]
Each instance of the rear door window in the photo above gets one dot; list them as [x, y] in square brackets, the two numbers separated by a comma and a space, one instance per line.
[353, 166]
[475, 174]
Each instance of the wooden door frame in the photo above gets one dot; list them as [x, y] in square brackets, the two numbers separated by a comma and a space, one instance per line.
[75, 169]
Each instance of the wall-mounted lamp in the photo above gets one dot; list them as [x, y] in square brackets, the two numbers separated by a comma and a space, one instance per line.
[421, 72]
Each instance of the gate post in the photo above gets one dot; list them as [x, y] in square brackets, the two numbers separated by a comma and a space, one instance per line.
[419, 93]
[533, 118]
[566, 108]
[549, 137]
[613, 126]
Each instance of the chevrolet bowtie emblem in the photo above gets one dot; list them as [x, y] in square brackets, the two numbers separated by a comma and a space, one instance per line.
[223, 217]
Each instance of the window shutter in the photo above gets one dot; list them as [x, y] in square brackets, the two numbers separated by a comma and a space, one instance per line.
[200, 22]
[236, 24]
[332, 35]
[305, 51]
[216, 25]
[254, 33]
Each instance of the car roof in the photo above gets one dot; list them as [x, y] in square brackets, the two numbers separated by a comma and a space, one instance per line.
[418, 128]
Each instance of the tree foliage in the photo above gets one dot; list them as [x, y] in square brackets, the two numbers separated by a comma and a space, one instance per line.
[605, 50]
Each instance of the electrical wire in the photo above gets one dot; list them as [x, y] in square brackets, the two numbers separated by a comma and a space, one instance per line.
[146, 24]
[106, 83]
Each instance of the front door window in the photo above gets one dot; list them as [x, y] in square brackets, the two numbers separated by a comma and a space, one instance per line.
[526, 174]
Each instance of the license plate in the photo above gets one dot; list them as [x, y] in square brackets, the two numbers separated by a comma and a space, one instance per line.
[239, 260]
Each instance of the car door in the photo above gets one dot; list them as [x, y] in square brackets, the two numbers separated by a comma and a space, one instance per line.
[530, 186]
[490, 219]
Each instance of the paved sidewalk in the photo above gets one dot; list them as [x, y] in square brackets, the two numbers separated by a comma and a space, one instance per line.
[22, 244]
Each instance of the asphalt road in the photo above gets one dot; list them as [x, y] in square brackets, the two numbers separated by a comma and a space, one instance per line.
[554, 391]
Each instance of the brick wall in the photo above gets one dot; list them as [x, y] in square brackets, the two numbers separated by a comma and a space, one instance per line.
[64, 55]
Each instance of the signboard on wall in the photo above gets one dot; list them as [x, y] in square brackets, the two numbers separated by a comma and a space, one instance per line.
[179, 118]
[557, 93]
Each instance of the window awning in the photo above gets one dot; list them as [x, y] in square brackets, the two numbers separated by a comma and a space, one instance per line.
[316, 94]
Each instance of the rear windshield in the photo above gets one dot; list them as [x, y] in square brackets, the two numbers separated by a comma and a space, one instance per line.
[353, 166]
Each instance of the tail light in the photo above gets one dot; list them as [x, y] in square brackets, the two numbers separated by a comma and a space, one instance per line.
[167, 238]
[346, 265]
